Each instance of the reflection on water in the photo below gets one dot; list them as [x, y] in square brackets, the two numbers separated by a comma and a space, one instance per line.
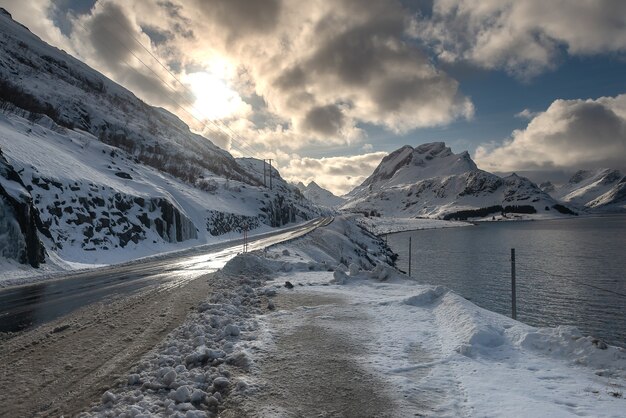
[557, 262]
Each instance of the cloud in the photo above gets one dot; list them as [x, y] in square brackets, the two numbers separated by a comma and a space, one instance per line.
[523, 37]
[570, 134]
[526, 114]
[322, 69]
[326, 120]
[241, 18]
[337, 174]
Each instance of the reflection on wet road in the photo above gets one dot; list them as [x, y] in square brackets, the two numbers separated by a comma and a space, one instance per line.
[24, 307]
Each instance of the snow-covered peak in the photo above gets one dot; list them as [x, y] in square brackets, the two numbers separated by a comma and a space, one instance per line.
[408, 165]
[314, 186]
[320, 196]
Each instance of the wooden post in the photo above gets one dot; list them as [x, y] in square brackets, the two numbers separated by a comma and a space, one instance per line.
[245, 238]
[410, 256]
[513, 289]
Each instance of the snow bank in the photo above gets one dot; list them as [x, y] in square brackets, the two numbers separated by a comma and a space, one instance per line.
[387, 225]
[202, 361]
[438, 354]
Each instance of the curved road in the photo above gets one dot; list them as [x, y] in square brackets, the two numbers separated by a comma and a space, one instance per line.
[28, 306]
[82, 334]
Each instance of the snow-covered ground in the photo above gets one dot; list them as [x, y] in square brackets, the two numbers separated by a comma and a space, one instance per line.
[381, 225]
[86, 205]
[431, 351]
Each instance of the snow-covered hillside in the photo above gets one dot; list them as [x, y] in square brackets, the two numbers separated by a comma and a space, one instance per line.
[320, 196]
[595, 190]
[109, 177]
[432, 181]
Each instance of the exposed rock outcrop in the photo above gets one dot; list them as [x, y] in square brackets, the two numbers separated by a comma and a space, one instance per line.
[19, 219]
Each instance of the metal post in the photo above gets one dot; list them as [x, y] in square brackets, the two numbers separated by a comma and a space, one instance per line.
[513, 289]
[410, 256]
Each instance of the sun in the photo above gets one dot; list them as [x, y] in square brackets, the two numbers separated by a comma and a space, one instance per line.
[215, 99]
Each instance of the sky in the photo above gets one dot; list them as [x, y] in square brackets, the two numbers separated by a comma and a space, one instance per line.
[327, 88]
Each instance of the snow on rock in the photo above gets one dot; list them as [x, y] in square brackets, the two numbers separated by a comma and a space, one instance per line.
[320, 196]
[19, 219]
[595, 190]
[431, 181]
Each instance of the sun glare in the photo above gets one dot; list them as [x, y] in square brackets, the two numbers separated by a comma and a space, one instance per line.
[214, 98]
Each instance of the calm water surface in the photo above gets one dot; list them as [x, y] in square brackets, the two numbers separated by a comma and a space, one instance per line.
[557, 262]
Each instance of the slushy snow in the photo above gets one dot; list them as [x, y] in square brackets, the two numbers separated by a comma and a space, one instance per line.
[438, 354]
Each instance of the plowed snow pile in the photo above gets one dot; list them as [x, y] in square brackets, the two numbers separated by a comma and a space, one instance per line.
[364, 340]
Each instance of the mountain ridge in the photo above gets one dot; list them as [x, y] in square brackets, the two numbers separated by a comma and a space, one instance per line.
[431, 181]
[319, 195]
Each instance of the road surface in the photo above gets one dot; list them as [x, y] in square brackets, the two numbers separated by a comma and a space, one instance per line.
[24, 307]
[82, 334]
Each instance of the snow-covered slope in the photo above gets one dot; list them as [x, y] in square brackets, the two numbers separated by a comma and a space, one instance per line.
[320, 196]
[98, 203]
[595, 190]
[432, 181]
[40, 78]
[110, 177]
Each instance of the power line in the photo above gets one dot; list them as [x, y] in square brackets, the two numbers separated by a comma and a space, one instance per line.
[234, 143]
[249, 147]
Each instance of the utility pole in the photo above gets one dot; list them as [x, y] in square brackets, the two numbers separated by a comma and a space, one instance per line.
[264, 173]
[270, 174]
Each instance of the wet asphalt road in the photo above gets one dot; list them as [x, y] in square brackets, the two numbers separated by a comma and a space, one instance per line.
[25, 307]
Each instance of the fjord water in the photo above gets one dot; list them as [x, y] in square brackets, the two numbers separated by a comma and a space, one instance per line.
[561, 267]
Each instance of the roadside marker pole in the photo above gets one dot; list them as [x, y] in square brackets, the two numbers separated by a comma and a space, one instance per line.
[410, 256]
[513, 285]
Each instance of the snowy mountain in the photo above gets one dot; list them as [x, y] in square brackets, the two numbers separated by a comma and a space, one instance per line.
[431, 181]
[594, 190]
[319, 195]
[107, 177]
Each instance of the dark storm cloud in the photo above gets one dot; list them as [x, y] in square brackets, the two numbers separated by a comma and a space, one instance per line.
[360, 56]
[360, 53]
[291, 78]
[242, 18]
[325, 120]
[109, 34]
[112, 35]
